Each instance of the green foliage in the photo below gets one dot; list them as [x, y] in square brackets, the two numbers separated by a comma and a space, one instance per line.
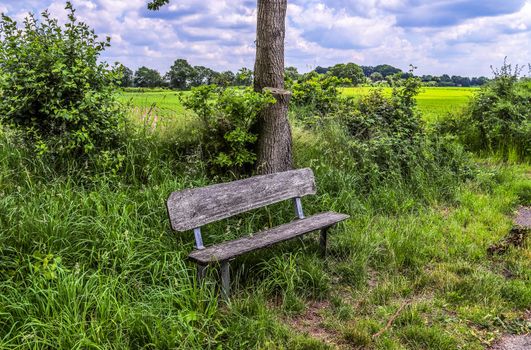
[183, 76]
[155, 5]
[54, 89]
[384, 135]
[350, 71]
[46, 265]
[501, 112]
[291, 74]
[180, 74]
[147, 78]
[224, 78]
[244, 77]
[315, 96]
[227, 116]
[127, 76]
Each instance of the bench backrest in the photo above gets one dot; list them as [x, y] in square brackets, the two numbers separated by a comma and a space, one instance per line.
[193, 208]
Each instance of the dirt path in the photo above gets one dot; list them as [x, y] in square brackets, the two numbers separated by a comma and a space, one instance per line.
[522, 221]
[523, 218]
[514, 342]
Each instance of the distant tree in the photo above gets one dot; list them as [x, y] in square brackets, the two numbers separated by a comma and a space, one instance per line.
[149, 78]
[181, 74]
[367, 70]
[291, 73]
[200, 75]
[387, 70]
[376, 76]
[127, 75]
[244, 77]
[460, 81]
[224, 78]
[478, 81]
[445, 78]
[321, 70]
[348, 71]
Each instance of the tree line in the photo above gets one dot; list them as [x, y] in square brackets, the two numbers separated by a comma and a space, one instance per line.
[182, 75]
[386, 73]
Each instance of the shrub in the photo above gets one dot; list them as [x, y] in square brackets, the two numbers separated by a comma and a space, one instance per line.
[386, 134]
[315, 97]
[383, 140]
[498, 118]
[54, 89]
[227, 116]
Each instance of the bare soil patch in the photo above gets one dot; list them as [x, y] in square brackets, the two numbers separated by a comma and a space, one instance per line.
[311, 323]
[517, 235]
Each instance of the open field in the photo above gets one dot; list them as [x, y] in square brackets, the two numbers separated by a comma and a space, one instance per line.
[165, 100]
[433, 102]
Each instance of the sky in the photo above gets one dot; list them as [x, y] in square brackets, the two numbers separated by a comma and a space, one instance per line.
[456, 37]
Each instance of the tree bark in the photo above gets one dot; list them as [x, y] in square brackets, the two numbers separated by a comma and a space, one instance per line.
[274, 150]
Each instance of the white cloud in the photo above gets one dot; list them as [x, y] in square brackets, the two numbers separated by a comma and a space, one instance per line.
[221, 33]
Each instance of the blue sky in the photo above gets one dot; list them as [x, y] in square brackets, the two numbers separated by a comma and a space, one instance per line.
[460, 37]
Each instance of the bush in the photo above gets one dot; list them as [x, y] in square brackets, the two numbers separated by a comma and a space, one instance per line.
[227, 115]
[384, 140]
[498, 119]
[315, 97]
[54, 89]
[389, 140]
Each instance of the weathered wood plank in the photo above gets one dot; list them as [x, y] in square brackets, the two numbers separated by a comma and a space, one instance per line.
[228, 250]
[193, 208]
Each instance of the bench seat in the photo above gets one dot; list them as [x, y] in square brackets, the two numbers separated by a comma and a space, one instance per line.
[231, 249]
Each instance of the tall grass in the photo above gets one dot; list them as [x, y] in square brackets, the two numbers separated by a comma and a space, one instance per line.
[89, 261]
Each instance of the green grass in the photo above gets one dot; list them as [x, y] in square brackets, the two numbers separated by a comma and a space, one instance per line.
[91, 263]
[433, 102]
[167, 100]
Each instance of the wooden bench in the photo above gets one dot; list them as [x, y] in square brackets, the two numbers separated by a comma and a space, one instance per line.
[193, 208]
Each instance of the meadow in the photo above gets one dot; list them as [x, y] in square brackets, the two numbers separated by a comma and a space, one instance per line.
[92, 262]
[433, 102]
[161, 99]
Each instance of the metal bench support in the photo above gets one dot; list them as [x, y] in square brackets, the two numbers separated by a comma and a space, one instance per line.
[322, 240]
[198, 238]
[298, 207]
[225, 279]
[201, 272]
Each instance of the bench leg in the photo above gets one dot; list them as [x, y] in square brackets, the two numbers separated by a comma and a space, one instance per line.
[201, 272]
[322, 240]
[225, 279]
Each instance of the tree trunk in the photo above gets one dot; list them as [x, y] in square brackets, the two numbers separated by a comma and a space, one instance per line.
[274, 134]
